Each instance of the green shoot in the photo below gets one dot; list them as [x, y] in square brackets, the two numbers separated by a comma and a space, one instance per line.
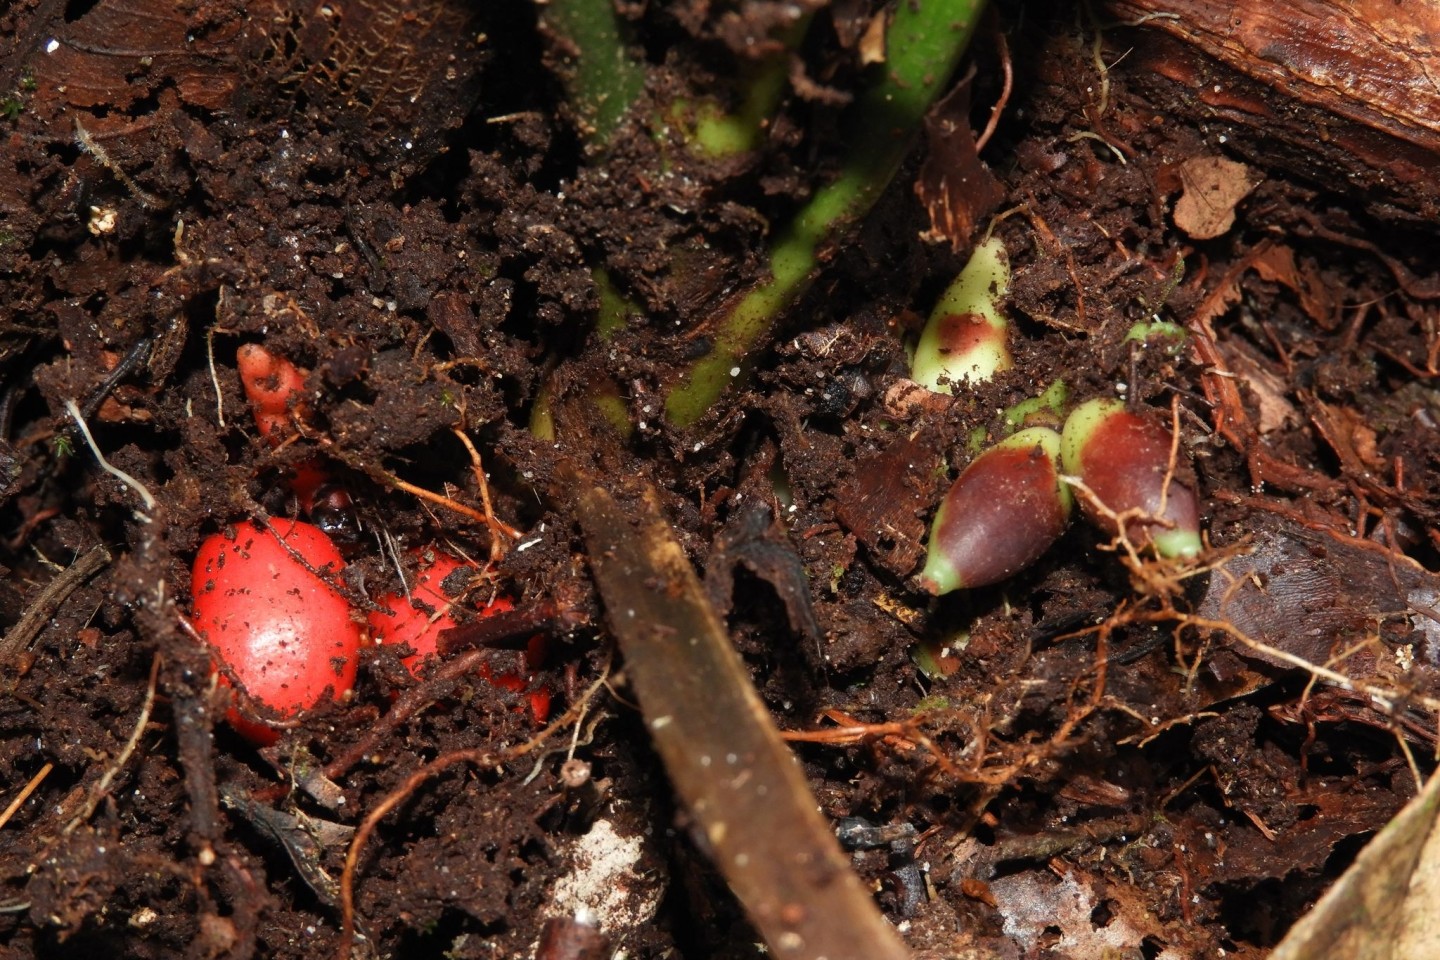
[603, 80]
[924, 42]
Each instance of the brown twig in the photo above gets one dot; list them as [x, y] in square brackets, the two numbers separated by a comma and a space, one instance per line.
[56, 591]
[510, 629]
[405, 708]
[734, 774]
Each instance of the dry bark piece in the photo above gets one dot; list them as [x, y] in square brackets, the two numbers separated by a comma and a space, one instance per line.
[1033, 905]
[1315, 593]
[1270, 390]
[1346, 86]
[121, 53]
[753, 811]
[305, 839]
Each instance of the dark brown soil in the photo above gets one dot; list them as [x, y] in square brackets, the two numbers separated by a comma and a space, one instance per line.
[1082, 765]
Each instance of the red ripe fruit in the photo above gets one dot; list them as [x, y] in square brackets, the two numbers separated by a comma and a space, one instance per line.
[418, 621]
[1124, 458]
[1003, 512]
[283, 632]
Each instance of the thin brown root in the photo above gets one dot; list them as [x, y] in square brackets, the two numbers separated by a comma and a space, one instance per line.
[25, 792]
[391, 480]
[479, 758]
[1055, 246]
[102, 786]
[497, 546]
[1007, 69]
[440, 500]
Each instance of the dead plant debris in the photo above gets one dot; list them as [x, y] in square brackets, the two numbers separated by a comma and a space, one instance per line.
[1109, 754]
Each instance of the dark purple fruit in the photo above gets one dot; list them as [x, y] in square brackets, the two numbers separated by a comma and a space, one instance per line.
[1003, 512]
[1124, 458]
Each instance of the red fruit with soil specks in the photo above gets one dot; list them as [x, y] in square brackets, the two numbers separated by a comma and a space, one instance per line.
[284, 633]
[418, 621]
[273, 386]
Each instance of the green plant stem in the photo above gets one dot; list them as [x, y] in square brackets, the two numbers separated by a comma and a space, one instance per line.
[603, 80]
[616, 309]
[717, 133]
[924, 43]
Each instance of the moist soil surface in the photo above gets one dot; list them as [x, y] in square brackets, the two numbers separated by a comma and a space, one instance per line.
[1107, 754]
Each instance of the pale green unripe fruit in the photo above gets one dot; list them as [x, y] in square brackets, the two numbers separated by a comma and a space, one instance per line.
[966, 338]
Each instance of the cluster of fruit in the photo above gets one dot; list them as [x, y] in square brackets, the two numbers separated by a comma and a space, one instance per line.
[1014, 499]
[265, 597]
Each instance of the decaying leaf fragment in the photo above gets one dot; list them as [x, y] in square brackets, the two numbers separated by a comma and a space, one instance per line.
[882, 503]
[1213, 186]
[954, 184]
[1383, 908]
[1033, 904]
[752, 809]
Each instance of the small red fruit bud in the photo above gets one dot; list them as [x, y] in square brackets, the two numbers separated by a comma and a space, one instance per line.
[273, 386]
[1003, 512]
[284, 633]
[1124, 459]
